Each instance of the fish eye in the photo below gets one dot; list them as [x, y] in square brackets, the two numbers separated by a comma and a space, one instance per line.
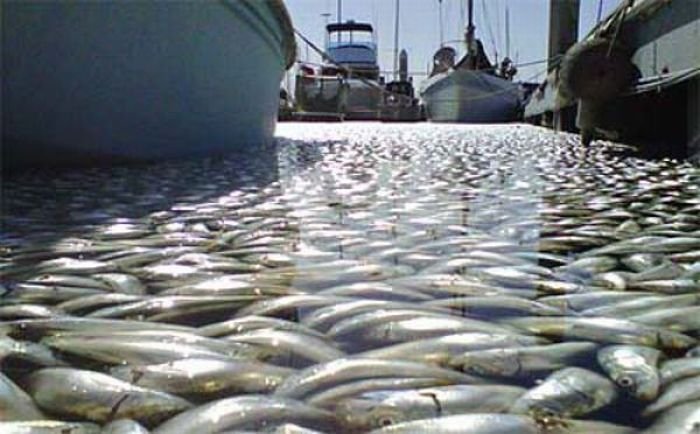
[625, 382]
[385, 421]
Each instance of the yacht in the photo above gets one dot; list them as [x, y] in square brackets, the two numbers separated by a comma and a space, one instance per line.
[348, 81]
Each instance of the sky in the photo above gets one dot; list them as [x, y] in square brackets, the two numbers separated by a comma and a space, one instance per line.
[419, 29]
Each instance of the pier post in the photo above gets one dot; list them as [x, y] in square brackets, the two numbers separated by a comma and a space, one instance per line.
[563, 28]
[693, 142]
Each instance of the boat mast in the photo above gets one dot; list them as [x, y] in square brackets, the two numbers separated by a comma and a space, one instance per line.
[442, 36]
[340, 16]
[326, 16]
[507, 32]
[396, 41]
[471, 49]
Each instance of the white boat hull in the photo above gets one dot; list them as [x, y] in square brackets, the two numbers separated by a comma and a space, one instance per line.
[467, 96]
[139, 80]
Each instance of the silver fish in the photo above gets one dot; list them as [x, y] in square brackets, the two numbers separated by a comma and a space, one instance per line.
[522, 361]
[681, 391]
[676, 369]
[466, 424]
[204, 377]
[246, 412]
[288, 347]
[569, 392]
[49, 427]
[98, 397]
[124, 426]
[331, 397]
[680, 419]
[255, 322]
[633, 368]
[326, 375]
[15, 404]
[601, 329]
[440, 350]
[382, 408]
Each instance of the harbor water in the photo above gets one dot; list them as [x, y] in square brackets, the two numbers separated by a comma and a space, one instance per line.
[413, 278]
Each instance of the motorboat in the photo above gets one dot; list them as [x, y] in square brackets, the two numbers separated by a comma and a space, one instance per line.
[348, 81]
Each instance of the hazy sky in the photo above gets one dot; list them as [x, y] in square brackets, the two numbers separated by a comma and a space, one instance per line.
[420, 30]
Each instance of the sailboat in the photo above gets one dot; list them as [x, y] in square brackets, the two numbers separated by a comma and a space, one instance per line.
[471, 90]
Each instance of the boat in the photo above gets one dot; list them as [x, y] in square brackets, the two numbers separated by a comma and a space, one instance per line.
[471, 90]
[348, 82]
[633, 78]
[122, 81]
[399, 103]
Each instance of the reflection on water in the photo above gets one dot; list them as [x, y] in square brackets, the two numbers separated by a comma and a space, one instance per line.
[362, 275]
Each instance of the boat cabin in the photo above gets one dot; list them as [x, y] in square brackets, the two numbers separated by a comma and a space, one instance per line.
[353, 46]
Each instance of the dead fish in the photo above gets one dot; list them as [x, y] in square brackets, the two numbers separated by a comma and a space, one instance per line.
[569, 392]
[154, 306]
[157, 348]
[289, 348]
[98, 397]
[35, 329]
[68, 265]
[466, 424]
[375, 410]
[591, 265]
[90, 303]
[289, 306]
[375, 291]
[204, 377]
[676, 286]
[440, 350]
[521, 361]
[673, 318]
[676, 369]
[26, 311]
[124, 426]
[325, 317]
[643, 304]
[49, 427]
[678, 392]
[589, 300]
[15, 404]
[633, 368]
[255, 322]
[494, 306]
[122, 283]
[28, 353]
[602, 329]
[246, 412]
[640, 262]
[331, 397]
[679, 419]
[35, 293]
[326, 375]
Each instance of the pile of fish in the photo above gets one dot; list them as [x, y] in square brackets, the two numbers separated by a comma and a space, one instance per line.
[383, 279]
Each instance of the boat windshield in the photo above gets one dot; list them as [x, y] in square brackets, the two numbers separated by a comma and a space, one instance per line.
[356, 52]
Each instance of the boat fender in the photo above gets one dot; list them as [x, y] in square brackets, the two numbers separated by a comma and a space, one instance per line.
[592, 71]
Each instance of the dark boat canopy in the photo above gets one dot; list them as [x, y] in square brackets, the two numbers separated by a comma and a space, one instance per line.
[349, 26]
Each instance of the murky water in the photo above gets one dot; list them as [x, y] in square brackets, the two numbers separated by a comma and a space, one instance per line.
[434, 278]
